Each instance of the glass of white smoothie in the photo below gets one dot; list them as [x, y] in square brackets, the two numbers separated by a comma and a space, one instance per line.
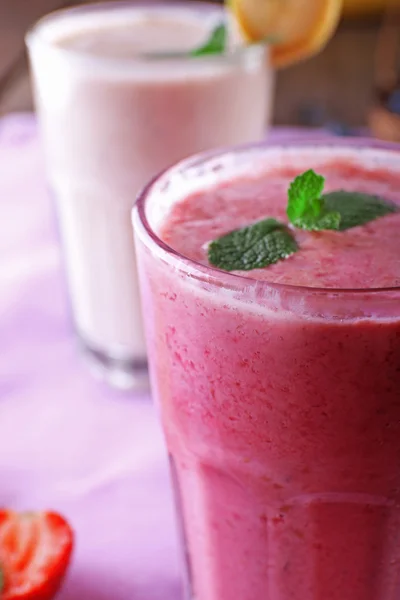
[119, 98]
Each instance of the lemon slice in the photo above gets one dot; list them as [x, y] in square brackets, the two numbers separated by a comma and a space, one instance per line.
[297, 29]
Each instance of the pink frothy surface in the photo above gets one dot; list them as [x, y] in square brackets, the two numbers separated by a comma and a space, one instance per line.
[363, 257]
[282, 421]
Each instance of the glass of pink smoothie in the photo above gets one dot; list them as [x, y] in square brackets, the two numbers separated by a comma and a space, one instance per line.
[278, 388]
[119, 98]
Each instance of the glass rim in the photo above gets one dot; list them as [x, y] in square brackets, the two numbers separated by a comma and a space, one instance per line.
[228, 279]
[35, 34]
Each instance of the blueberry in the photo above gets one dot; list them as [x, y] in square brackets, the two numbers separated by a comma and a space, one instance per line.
[393, 102]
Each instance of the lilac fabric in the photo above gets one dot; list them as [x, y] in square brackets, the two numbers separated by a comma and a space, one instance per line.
[67, 442]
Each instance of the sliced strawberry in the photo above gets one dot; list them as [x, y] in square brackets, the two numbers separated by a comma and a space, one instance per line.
[35, 550]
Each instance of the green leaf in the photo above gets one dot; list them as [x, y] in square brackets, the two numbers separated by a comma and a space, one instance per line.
[1, 580]
[326, 220]
[340, 210]
[215, 44]
[254, 247]
[356, 208]
[306, 208]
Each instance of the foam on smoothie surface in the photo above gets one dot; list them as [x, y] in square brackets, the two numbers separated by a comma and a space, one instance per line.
[126, 35]
[362, 257]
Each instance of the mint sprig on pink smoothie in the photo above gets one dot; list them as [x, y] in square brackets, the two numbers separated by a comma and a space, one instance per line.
[306, 207]
[267, 241]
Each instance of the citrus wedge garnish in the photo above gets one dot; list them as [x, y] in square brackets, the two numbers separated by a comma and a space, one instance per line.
[296, 29]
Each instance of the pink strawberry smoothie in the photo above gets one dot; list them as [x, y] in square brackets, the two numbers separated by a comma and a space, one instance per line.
[281, 405]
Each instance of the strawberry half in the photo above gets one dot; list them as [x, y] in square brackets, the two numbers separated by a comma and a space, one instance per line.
[35, 550]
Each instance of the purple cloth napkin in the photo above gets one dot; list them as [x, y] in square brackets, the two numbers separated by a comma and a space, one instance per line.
[67, 442]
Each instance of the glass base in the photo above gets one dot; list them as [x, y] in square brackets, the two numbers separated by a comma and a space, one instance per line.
[119, 372]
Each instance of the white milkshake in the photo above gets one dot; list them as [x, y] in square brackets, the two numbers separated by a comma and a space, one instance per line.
[112, 117]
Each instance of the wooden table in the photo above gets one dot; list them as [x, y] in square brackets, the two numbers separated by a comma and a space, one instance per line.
[334, 86]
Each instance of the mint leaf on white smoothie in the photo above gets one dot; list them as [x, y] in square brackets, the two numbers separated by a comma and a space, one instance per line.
[216, 43]
[306, 207]
[253, 247]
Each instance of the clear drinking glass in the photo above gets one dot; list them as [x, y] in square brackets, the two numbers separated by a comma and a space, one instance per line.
[280, 406]
[116, 107]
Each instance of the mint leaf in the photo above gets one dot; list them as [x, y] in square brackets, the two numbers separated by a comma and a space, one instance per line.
[306, 208]
[215, 44]
[340, 210]
[356, 208]
[304, 195]
[254, 247]
[327, 220]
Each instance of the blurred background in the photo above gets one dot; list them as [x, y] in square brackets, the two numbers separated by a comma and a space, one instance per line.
[335, 89]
